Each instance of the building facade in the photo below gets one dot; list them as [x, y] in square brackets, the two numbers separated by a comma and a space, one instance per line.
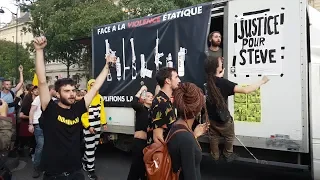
[315, 4]
[8, 32]
[54, 70]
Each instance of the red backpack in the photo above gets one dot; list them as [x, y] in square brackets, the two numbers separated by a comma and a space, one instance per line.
[158, 161]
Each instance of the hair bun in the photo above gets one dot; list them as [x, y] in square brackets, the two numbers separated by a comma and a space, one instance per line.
[189, 100]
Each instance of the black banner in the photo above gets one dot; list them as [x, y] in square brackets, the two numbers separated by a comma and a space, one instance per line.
[182, 33]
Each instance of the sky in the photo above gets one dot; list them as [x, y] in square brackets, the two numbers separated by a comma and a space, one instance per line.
[6, 17]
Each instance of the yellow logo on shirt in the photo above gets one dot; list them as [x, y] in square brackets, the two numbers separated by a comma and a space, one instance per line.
[68, 121]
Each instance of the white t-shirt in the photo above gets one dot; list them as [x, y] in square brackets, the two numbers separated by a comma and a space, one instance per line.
[38, 112]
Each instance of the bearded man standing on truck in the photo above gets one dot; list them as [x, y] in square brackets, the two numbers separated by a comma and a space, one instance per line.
[215, 41]
[61, 155]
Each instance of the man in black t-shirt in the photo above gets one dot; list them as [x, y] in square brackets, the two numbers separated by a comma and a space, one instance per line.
[61, 157]
[218, 90]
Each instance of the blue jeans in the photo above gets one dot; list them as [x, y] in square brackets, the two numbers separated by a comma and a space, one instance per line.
[40, 140]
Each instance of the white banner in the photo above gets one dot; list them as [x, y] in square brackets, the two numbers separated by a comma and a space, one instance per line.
[259, 44]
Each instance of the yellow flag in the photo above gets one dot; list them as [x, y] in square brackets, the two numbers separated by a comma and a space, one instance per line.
[35, 80]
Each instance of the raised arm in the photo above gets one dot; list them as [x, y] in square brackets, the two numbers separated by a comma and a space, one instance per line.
[136, 105]
[252, 87]
[19, 85]
[103, 117]
[39, 44]
[99, 81]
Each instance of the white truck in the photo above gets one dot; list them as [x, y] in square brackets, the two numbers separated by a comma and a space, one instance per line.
[279, 38]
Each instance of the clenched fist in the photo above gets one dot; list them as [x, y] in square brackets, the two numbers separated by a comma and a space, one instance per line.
[40, 43]
[110, 59]
[20, 68]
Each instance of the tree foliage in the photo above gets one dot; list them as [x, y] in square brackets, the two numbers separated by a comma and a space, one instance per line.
[63, 21]
[8, 64]
[141, 8]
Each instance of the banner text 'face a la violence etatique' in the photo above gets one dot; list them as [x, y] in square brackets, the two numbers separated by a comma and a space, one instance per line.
[142, 46]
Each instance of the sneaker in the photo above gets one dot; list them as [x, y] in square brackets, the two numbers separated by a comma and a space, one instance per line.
[92, 176]
[216, 161]
[231, 157]
[32, 157]
[36, 173]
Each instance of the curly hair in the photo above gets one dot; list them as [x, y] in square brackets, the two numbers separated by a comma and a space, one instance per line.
[189, 100]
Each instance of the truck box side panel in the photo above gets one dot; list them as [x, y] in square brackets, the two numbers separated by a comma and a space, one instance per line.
[275, 116]
[314, 74]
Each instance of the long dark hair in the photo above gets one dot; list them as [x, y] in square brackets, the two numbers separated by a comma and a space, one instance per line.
[211, 65]
[26, 104]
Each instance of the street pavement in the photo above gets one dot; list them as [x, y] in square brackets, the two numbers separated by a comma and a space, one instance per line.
[112, 164]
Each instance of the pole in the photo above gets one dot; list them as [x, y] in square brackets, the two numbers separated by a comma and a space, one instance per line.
[17, 50]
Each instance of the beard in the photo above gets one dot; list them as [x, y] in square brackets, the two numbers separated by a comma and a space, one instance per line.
[65, 101]
[215, 44]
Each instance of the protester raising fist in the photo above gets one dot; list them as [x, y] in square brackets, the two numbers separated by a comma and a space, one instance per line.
[63, 119]
[40, 43]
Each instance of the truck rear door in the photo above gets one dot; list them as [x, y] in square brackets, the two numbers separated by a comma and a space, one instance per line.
[269, 38]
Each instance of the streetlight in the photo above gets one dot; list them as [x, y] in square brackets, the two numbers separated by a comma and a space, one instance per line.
[15, 14]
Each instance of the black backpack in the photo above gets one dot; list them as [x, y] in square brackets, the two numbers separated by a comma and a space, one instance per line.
[11, 92]
[13, 96]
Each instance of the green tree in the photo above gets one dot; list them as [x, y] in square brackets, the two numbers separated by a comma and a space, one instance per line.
[89, 15]
[8, 66]
[63, 21]
[141, 8]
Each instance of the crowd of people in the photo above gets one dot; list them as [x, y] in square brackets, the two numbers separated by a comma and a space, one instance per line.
[55, 119]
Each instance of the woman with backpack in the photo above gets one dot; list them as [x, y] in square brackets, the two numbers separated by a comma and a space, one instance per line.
[141, 104]
[183, 147]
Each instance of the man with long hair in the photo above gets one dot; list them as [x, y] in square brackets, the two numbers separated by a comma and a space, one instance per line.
[218, 90]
